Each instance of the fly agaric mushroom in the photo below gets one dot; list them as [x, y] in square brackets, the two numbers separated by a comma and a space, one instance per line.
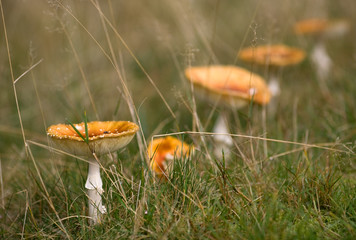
[234, 86]
[164, 149]
[274, 56]
[321, 29]
[103, 137]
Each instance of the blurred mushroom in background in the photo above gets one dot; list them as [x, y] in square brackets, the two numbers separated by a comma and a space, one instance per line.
[229, 86]
[321, 30]
[274, 57]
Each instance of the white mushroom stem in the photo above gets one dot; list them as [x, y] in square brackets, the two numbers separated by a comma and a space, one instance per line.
[273, 85]
[274, 88]
[321, 61]
[223, 141]
[94, 185]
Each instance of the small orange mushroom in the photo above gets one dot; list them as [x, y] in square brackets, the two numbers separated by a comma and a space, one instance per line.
[103, 137]
[322, 27]
[275, 55]
[166, 148]
[311, 26]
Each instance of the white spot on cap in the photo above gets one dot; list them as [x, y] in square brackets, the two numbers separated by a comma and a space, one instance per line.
[253, 91]
[169, 156]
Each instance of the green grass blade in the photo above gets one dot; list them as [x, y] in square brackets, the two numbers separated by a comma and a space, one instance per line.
[76, 130]
[86, 127]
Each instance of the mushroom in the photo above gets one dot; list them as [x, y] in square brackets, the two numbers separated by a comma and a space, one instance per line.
[161, 150]
[275, 57]
[235, 87]
[321, 29]
[103, 137]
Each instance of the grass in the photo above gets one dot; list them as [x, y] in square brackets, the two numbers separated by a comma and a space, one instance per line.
[290, 176]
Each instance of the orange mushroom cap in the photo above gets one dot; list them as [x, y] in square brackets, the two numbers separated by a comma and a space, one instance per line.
[235, 86]
[275, 55]
[160, 148]
[317, 26]
[104, 137]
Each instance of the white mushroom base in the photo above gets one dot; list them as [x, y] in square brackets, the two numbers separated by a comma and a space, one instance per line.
[94, 185]
[96, 208]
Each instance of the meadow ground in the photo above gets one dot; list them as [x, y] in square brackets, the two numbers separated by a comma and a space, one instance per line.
[125, 60]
